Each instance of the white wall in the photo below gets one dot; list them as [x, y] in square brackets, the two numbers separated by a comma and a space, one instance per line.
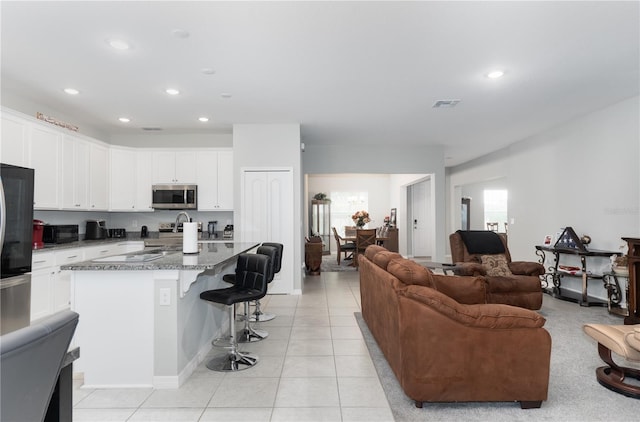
[583, 174]
[272, 145]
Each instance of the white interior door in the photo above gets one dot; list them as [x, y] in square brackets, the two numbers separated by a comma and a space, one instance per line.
[266, 215]
[421, 219]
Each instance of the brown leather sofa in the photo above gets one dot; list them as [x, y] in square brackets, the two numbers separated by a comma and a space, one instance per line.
[444, 343]
[521, 288]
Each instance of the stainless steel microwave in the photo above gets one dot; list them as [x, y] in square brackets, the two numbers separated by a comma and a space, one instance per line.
[175, 197]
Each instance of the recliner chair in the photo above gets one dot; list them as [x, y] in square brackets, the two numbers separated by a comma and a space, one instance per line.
[509, 282]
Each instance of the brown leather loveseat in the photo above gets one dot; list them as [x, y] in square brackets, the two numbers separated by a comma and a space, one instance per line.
[518, 283]
[442, 340]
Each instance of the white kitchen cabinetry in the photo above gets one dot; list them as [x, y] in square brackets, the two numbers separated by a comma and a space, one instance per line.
[144, 180]
[45, 147]
[174, 167]
[98, 177]
[130, 180]
[123, 179]
[14, 141]
[215, 180]
[61, 297]
[43, 274]
[51, 287]
[75, 173]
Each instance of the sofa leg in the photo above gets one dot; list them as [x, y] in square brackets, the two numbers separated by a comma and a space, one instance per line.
[418, 404]
[530, 404]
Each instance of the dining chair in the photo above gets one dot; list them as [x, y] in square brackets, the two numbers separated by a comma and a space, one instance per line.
[343, 246]
[364, 238]
[350, 231]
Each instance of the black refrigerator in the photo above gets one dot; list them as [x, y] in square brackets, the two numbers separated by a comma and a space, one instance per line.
[16, 232]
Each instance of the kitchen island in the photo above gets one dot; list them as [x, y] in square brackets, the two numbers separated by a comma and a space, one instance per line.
[142, 322]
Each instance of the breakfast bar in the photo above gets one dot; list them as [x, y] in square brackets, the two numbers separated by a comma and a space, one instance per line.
[142, 322]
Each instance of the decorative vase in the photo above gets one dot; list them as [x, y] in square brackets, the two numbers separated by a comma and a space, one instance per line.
[360, 225]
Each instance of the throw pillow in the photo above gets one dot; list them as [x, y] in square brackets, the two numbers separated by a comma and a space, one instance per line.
[496, 265]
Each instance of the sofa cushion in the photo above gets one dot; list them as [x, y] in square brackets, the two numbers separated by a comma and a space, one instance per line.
[467, 290]
[410, 272]
[481, 316]
[372, 250]
[382, 258]
[496, 265]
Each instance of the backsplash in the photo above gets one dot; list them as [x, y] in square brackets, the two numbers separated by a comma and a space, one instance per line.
[130, 221]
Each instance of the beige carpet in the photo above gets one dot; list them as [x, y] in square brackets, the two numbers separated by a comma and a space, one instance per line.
[574, 393]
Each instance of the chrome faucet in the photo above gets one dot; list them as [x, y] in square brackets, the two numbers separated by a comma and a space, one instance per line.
[181, 213]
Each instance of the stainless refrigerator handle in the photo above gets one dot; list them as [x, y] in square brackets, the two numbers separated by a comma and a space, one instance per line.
[3, 214]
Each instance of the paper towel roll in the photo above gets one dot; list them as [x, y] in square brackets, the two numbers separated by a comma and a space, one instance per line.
[189, 237]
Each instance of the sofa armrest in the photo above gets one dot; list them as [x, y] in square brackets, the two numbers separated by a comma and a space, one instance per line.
[493, 316]
[468, 290]
[526, 268]
[469, 268]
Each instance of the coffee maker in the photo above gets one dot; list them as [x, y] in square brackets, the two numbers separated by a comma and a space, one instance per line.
[211, 229]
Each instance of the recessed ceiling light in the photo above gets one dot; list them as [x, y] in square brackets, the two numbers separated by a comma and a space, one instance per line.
[495, 74]
[203, 119]
[225, 95]
[71, 91]
[124, 119]
[208, 71]
[119, 44]
[172, 91]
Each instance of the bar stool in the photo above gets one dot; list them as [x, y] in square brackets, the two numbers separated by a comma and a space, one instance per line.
[258, 315]
[248, 334]
[250, 284]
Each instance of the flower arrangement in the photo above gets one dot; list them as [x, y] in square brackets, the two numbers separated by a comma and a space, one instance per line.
[360, 218]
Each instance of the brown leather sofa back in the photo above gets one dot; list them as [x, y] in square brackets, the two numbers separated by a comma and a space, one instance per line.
[444, 343]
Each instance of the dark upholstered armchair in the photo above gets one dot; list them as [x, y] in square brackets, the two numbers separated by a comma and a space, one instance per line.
[485, 253]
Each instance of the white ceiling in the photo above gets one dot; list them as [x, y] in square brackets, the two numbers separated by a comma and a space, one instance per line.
[349, 72]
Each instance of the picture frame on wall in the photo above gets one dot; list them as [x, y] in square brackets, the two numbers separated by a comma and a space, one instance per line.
[392, 217]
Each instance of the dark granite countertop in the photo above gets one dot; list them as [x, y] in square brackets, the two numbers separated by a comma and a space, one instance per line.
[210, 256]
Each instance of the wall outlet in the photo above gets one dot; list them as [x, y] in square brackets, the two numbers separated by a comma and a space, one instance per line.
[165, 297]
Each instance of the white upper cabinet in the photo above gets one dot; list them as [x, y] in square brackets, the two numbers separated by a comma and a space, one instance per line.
[130, 180]
[144, 181]
[174, 167]
[75, 173]
[215, 180]
[14, 141]
[123, 179]
[98, 177]
[45, 146]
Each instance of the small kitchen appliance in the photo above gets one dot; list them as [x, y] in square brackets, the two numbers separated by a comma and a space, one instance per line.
[144, 232]
[117, 233]
[211, 229]
[96, 230]
[38, 229]
[60, 233]
[228, 232]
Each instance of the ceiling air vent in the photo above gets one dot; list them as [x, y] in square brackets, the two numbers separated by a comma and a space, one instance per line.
[151, 128]
[445, 103]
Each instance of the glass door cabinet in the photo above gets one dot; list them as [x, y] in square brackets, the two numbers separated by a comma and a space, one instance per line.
[321, 223]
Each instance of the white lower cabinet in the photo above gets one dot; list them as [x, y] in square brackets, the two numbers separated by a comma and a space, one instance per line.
[51, 286]
[43, 274]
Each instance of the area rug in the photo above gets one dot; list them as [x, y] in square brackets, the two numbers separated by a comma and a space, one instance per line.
[574, 394]
[330, 264]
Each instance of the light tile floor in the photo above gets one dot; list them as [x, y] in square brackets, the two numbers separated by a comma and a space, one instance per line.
[314, 366]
